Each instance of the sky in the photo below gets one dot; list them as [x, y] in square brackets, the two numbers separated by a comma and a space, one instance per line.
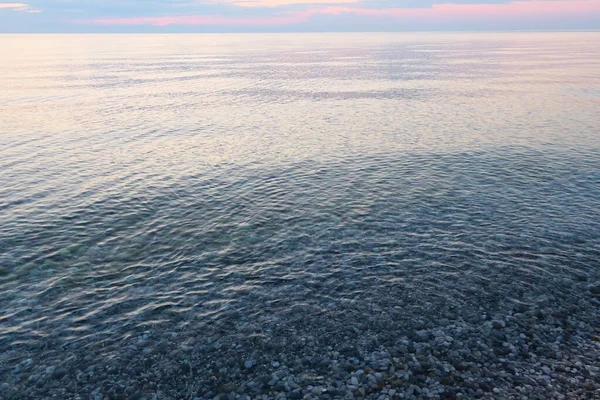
[167, 16]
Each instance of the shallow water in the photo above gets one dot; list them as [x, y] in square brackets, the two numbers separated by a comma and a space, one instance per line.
[249, 189]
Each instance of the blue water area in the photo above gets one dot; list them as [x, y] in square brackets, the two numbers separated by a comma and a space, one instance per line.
[300, 216]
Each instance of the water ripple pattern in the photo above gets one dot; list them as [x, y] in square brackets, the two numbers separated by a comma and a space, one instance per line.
[192, 213]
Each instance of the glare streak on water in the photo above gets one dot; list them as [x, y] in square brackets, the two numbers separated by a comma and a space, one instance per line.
[237, 185]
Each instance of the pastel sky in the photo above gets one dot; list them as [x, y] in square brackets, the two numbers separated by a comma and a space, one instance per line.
[294, 15]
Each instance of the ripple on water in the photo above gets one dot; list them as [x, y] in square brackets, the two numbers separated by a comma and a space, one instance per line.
[338, 238]
[178, 201]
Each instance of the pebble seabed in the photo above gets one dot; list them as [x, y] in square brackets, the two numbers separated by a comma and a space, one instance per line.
[547, 351]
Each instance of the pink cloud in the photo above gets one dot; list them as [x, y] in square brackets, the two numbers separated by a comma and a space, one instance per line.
[438, 12]
[18, 7]
[14, 6]
[198, 20]
[279, 3]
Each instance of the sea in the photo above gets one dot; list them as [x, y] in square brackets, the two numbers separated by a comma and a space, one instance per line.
[251, 216]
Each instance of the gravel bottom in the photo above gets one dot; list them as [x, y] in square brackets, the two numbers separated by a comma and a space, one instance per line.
[549, 351]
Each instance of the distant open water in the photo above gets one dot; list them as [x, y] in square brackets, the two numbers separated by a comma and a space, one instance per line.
[249, 188]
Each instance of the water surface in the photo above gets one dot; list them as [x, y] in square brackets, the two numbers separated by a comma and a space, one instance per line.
[219, 198]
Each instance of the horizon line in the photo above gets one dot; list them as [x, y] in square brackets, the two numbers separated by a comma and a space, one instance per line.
[508, 30]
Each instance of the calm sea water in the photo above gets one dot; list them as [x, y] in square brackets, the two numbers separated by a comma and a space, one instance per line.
[251, 189]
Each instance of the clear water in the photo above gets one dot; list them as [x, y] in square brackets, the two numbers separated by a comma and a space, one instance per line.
[252, 189]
